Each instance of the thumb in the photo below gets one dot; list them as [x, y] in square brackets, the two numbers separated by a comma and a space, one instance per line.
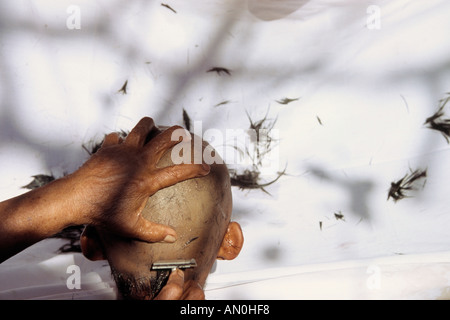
[111, 139]
[173, 290]
[168, 176]
[148, 231]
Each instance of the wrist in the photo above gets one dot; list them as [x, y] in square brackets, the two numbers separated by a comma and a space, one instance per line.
[78, 195]
[40, 213]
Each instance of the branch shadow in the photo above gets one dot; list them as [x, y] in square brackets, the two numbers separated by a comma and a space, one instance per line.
[358, 191]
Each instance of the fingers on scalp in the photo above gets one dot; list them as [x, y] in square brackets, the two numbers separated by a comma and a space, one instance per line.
[139, 133]
[111, 139]
[166, 140]
[169, 176]
[148, 231]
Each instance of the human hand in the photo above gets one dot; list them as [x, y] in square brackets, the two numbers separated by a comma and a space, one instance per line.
[177, 289]
[120, 177]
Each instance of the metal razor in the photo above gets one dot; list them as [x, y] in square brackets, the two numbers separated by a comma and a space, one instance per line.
[174, 264]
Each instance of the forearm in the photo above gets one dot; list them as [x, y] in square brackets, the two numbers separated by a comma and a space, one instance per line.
[39, 214]
[109, 191]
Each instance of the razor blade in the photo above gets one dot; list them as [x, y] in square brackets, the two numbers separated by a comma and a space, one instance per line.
[174, 264]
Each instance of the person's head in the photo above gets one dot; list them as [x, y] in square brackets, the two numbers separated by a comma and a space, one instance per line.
[199, 210]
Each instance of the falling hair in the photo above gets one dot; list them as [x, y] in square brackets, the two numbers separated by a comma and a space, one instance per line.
[220, 70]
[249, 179]
[399, 188]
[186, 120]
[438, 122]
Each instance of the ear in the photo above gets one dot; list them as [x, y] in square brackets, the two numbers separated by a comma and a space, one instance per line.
[232, 242]
[91, 244]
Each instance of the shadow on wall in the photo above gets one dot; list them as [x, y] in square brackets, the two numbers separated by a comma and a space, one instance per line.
[104, 30]
[358, 191]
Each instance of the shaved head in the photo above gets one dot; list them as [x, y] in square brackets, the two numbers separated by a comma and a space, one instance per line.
[198, 209]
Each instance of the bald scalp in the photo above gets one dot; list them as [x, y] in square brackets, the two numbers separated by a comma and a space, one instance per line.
[198, 209]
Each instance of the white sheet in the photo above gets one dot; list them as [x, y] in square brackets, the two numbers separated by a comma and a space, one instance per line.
[371, 83]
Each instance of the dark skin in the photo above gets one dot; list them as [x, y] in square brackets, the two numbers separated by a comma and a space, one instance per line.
[109, 191]
[199, 210]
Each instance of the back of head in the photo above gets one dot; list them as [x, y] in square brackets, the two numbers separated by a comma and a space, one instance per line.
[198, 209]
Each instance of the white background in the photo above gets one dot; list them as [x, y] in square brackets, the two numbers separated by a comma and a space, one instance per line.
[371, 87]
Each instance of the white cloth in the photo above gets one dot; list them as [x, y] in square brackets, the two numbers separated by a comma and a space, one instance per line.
[363, 76]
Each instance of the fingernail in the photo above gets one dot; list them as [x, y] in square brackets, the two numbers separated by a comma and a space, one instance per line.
[186, 136]
[170, 239]
[206, 167]
[180, 273]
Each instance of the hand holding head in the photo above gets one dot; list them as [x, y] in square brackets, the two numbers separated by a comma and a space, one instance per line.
[198, 209]
[121, 175]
